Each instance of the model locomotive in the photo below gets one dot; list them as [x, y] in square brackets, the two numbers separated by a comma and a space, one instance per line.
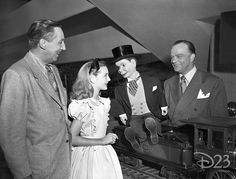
[210, 153]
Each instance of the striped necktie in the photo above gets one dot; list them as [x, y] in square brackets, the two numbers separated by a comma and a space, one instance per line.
[133, 86]
[183, 83]
[51, 78]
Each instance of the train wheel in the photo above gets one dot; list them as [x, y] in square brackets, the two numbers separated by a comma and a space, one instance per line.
[220, 174]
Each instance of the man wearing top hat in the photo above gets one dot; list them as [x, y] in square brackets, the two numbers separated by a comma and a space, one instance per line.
[141, 99]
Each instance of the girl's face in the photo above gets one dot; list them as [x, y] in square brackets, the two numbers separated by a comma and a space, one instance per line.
[102, 78]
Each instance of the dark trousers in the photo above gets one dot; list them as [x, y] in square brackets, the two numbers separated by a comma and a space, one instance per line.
[137, 123]
[4, 170]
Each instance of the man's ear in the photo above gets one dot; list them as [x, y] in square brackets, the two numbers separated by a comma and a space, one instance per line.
[92, 78]
[133, 61]
[192, 57]
[42, 43]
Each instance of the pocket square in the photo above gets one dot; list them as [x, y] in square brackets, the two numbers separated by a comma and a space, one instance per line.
[154, 88]
[202, 95]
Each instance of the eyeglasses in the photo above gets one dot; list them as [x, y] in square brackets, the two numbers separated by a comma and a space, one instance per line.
[94, 66]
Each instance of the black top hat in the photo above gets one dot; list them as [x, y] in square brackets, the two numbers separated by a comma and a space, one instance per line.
[121, 52]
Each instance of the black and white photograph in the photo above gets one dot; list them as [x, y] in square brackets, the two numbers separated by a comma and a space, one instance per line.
[117, 89]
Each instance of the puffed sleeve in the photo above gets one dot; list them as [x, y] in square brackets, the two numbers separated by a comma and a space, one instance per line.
[78, 109]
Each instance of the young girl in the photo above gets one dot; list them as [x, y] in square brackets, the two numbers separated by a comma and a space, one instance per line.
[93, 157]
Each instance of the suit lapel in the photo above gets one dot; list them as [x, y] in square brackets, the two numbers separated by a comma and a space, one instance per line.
[124, 93]
[175, 90]
[41, 78]
[60, 86]
[191, 91]
[147, 85]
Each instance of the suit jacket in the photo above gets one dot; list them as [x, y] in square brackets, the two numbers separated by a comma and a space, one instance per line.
[155, 98]
[34, 131]
[205, 96]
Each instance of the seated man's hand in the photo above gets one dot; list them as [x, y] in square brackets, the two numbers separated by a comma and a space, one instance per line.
[123, 118]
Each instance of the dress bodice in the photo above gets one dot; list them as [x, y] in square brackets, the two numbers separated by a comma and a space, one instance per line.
[93, 115]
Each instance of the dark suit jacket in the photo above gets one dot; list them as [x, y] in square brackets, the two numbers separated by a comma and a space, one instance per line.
[191, 104]
[155, 98]
[34, 125]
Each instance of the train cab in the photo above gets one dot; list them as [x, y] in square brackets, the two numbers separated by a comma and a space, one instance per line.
[215, 146]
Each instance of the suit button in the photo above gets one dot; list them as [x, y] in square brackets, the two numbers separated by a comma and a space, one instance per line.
[67, 140]
[195, 109]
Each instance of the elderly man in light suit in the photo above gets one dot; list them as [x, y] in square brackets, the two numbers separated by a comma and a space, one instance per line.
[34, 131]
[198, 94]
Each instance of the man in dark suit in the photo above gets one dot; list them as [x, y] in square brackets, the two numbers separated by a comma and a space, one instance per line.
[34, 131]
[192, 92]
[141, 99]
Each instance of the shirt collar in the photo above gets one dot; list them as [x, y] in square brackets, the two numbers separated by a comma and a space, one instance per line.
[38, 62]
[137, 76]
[190, 74]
